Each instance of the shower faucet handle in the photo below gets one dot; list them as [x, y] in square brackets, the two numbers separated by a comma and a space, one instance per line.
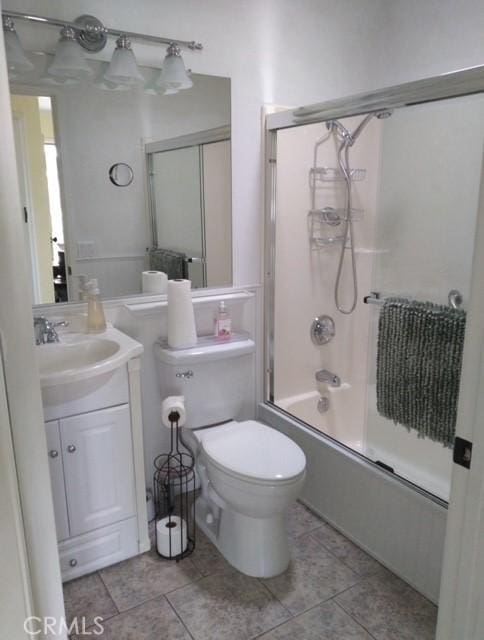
[323, 375]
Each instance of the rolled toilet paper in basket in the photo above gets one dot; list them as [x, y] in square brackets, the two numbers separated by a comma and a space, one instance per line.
[173, 403]
[171, 536]
[154, 282]
[182, 332]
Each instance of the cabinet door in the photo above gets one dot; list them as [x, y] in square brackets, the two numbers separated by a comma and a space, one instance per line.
[98, 468]
[57, 479]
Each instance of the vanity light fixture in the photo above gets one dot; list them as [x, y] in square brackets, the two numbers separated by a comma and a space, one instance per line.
[69, 61]
[174, 76]
[88, 33]
[17, 61]
[123, 69]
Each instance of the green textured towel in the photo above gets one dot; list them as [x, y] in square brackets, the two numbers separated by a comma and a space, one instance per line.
[418, 366]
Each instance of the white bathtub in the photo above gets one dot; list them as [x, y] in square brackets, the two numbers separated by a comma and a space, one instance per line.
[425, 463]
[339, 422]
[401, 526]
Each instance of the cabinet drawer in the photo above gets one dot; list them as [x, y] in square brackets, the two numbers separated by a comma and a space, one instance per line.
[98, 549]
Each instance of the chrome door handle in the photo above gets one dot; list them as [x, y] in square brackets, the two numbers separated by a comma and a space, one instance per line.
[53, 453]
[71, 448]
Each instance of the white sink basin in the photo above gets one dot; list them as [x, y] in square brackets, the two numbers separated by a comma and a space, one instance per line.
[78, 356]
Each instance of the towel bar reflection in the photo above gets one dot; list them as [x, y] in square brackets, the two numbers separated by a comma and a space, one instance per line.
[455, 298]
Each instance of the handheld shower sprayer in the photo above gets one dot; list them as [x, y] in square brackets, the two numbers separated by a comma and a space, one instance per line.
[348, 139]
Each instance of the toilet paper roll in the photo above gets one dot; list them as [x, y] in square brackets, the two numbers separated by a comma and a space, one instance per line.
[154, 282]
[182, 332]
[173, 403]
[171, 536]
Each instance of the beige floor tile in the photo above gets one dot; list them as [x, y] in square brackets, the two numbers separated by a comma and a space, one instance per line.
[146, 576]
[154, 620]
[390, 609]
[228, 606]
[300, 520]
[345, 550]
[325, 622]
[313, 576]
[87, 597]
[207, 558]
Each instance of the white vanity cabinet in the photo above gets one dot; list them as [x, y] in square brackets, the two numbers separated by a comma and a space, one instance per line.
[57, 479]
[97, 475]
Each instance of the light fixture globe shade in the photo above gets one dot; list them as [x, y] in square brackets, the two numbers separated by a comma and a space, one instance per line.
[17, 61]
[123, 69]
[173, 73]
[69, 61]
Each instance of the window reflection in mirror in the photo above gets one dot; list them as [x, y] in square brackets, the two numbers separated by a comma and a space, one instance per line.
[78, 223]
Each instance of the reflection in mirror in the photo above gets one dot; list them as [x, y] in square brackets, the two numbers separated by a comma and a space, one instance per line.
[189, 216]
[78, 223]
[121, 174]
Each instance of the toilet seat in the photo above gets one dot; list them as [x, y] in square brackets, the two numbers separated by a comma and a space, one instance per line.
[253, 452]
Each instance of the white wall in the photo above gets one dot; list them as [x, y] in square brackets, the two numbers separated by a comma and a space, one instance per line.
[430, 37]
[276, 51]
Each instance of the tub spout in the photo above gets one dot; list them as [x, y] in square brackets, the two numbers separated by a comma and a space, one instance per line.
[323, 375]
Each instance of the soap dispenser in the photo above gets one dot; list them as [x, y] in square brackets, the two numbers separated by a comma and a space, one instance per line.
[96, 322]
[223, 323]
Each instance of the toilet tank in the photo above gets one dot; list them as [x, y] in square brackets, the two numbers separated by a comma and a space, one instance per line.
[216, 378]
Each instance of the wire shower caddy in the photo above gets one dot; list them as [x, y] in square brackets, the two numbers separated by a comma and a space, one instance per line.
[326, 225]
[174, 497]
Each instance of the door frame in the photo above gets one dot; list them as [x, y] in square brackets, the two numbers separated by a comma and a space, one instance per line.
[461, 603]
[35, 90]
[26, 195]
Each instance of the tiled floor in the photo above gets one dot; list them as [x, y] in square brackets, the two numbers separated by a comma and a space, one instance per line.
[331, 591]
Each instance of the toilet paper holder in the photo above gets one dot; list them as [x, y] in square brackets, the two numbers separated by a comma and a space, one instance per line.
[174, 497]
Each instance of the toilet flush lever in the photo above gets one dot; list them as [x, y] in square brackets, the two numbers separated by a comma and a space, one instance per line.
[185, 375]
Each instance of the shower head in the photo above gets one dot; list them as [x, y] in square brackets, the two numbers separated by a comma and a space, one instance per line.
[360, 128]
[335, 125]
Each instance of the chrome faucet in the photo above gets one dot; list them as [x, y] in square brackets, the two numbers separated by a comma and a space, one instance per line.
[323, 375]
[45, 330]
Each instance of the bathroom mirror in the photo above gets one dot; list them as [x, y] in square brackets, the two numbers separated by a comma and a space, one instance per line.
[77, 144]
[121, 174]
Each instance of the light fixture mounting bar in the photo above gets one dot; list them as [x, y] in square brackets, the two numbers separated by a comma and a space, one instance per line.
[96, 28]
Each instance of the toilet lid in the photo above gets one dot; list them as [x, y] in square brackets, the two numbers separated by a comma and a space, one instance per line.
[251, 449]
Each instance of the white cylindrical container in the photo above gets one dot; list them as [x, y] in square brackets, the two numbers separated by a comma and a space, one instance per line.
[173, 403]
[182, 332]
[154, 282]
[171, 536]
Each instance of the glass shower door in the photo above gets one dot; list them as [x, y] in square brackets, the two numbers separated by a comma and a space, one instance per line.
[177, 206]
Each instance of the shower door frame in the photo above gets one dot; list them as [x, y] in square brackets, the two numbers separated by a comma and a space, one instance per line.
[451, 85]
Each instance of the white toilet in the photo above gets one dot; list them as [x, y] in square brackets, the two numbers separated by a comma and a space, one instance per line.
[249, 473]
